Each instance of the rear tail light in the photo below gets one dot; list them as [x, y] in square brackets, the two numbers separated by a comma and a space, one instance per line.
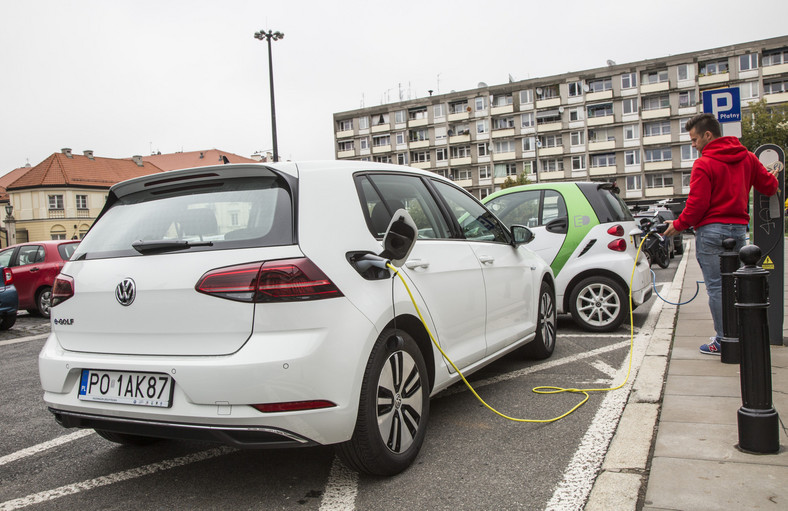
[62, 289]
[619, 245]
[286, 280]
[616, 230]
[294, 406]
[8, 276]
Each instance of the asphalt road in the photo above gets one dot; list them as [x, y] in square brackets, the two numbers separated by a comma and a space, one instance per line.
[471, 459]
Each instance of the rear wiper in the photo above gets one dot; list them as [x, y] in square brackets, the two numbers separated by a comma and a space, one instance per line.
[147, 246]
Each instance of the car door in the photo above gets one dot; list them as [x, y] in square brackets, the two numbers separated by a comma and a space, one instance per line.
[508, 271]
[27, 273]
[444, 270]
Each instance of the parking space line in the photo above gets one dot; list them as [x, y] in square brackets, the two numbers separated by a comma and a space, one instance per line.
[35, 449]
[341, 489]
[24, 339]
[117, 477]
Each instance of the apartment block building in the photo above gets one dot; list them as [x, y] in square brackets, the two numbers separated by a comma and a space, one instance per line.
[623, 123]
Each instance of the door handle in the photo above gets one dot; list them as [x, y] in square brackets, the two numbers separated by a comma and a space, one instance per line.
[34, 269]
[485, 259]
[417, 263]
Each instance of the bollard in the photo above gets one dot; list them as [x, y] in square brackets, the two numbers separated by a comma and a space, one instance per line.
[729, 345]
[757, 418]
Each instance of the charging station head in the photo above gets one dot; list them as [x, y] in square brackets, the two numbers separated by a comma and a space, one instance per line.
[400, 237]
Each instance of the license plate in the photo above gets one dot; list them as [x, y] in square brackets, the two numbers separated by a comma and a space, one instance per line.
[130, 388]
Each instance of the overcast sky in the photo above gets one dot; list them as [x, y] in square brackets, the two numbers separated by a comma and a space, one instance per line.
[126, 77]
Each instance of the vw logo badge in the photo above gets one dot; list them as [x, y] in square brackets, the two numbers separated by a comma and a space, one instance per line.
[126, 292]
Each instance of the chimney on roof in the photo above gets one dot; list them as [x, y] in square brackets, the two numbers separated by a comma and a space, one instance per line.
[67, 152]
[137, 159]
[88, 153]
[202, 155]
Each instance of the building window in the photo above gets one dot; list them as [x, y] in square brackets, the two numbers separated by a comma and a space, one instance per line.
[445, 173]
[775, 57]
[363, 123]
[660, 180]
[634, 183]
[686, 72]
[439, 110]
[688, 153]
[716, 67]
[458, 107]
[551, 165]
[418, 135]
[82, 201]
[651, 77]
[630, 106]
[528, 167]
[683, 125]
[655, 129]
[505, 169]
[658, 154]
[482, 126]
[382, 159]
[685, 179]
[631, 132]
[632, 157]
[400, 116]
[484, 172]
[55, 202]
[380, 120]
[504, 146]
[527, 120]
[480, 103]
[603, 160]
[548, 116]
[600, 85]
[502, 123]
[459, 129]
[381, 140]
[550, 141]
[775, 87]
[747, 62]
[529, 143]
[363, 143]
[601, 135]
[420, 156]
[656, 102]
[687, 98]
[547, 92]
[400, 137]
[402, 159]
[462, 151]
[482, 149]
[602, 110]
[526, 96]
[749, 90]
[441, 154]
[579, 162]
[346, 146]
[415, 114]
[345, 125]
[464, 174]
[502, 100]
[575, 88]
[440, 132]
[577, 138]
[577, 114]
[629, 81]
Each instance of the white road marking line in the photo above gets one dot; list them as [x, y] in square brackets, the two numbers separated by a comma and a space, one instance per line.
[35, 449]
[24, 339]
[604, 367]
[341, 489]
[70, 489]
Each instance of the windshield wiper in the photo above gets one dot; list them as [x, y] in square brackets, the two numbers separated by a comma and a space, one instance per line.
[147, 246]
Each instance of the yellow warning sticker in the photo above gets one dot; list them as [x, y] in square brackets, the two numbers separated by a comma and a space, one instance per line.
[768, 264]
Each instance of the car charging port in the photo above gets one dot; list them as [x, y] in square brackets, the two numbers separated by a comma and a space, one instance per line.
[369, 265]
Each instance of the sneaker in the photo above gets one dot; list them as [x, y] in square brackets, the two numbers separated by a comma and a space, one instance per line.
[712, 348]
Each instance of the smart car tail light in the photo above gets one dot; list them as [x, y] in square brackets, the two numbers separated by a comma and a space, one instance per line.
[62, 289]
[8, 276]
[619, 245]
[285, 280]
[616, 230]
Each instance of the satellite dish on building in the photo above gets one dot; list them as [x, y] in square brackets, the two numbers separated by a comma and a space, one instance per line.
[538, 90]
[560, 109]
[481, 84]
[611, 62]
[586, 88]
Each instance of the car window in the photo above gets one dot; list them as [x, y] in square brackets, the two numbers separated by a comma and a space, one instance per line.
[66, 250]
[31, 254]
[383, 194]
[477, 223]
[518, 208]
[5, 257]
[553, 206]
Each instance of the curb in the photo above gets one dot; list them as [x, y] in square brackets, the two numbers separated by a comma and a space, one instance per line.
[623, 476]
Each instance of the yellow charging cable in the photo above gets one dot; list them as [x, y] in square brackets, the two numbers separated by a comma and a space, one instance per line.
[540, 389]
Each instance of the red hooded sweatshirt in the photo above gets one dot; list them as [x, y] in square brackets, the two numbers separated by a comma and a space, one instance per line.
[720, 185]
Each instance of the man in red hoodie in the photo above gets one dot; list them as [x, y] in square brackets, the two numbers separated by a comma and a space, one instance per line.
[718, 204]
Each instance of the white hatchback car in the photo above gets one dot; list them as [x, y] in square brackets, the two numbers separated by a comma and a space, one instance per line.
[237, 304]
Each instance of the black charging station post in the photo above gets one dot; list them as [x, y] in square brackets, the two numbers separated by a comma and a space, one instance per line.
[768, 233]
[729, 344]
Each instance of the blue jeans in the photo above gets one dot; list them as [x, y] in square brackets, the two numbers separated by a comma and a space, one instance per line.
[708, 248]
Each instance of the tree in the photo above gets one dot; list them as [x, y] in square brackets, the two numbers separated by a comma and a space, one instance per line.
[522, 179]
[764, 124]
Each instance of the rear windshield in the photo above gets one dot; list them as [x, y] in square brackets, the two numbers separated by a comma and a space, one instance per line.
[232, 213]
[66, 250]
[608, 206]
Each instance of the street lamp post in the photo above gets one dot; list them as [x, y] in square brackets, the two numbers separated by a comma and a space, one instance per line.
[10, 225]
[262, 34]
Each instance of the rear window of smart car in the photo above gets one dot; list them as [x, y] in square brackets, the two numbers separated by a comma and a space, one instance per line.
[231, 213]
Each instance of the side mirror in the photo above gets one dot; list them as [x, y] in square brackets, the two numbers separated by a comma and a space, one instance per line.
[400, 237]
[522, 235]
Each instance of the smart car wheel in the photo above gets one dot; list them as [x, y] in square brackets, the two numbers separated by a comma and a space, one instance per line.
[598, 304]
[544, 343]
[393, 409]
[44, 300]
[126, 439]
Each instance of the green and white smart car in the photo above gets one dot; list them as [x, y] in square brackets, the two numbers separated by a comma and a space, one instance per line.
[585, 232]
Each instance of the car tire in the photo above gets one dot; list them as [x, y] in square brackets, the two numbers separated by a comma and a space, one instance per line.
[661, 257]
[7, 321]
[544, 343]
[598, 304]
[393, 409]
[44, 301]
[125, 438]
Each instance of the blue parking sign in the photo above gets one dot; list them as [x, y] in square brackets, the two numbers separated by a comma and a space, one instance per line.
[725, 104]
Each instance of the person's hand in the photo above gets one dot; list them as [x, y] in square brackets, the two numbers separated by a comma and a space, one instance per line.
[670, 231]
[775, 168]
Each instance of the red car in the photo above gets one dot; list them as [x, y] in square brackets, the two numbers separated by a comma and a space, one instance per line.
[34, 266]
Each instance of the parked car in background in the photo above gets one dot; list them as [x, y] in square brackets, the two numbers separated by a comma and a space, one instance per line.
[238, 304]
[35, 265]
[8, 299]
[587, 235]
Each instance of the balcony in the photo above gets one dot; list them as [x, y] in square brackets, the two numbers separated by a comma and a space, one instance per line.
[718, 78]
[414, 123]
[658, 165]
[547, 103]
[57, 213]
[659, 139]
[503, 156]
[465, 160]
[383, 149]
[345, 134]
[83, 213]
[594, 96]
[551, 151]
[420, 164]
[506, 109]
[602, 171]
[458, 139]
[346, 154]
[508, 132]
[602, 146]
[776, 98]
[598, 121]
[419, 144]
[688, 110]
[654, 87]
[381, 127]
[550, 126]
[666, 191]
[655, 114]
[459, 116]
[548, 176]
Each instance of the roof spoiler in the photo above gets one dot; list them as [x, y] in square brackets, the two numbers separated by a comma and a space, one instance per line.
[609, 186]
